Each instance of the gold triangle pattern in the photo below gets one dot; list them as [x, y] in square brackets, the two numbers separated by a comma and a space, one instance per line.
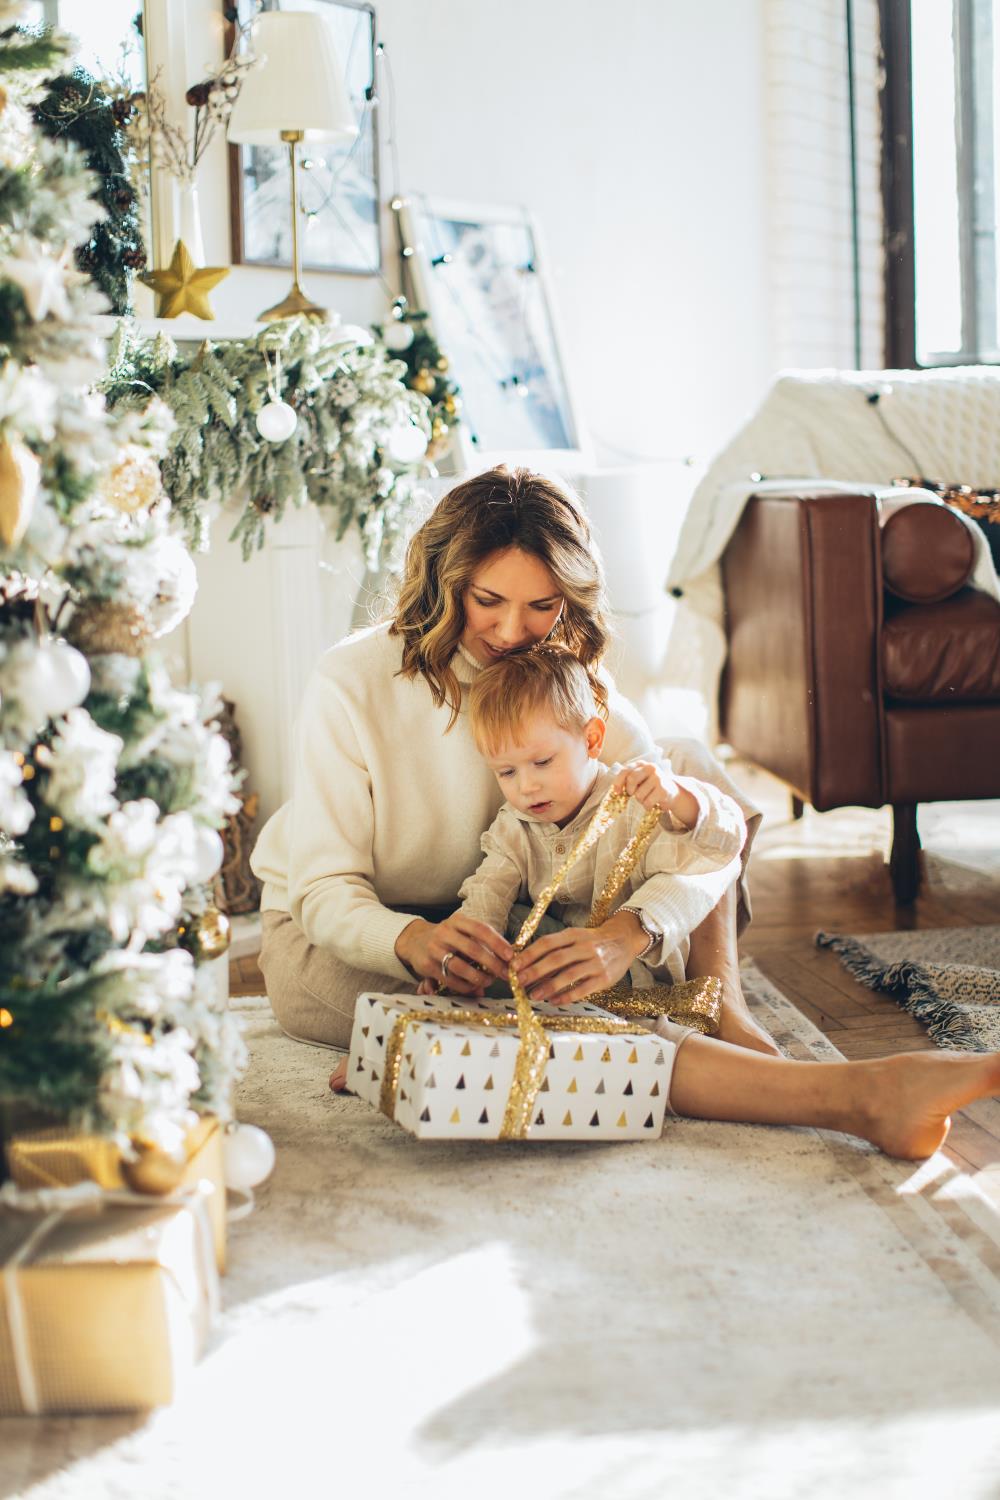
[466, 1051]
[578, 1054]
[489, 1082]
[435, 1049]
[654, 1092]
[621, 1119]
[606, 1055]
[456, 1118]
[600, 1087]
[572, 1086]
[569, 1119]
[633, 1056]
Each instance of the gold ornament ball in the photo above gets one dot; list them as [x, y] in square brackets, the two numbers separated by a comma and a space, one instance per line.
[424, 381]
[442, 363]
[153, 1170]
[134, 483]
[20, 477]
[452, 405]
[208, 936]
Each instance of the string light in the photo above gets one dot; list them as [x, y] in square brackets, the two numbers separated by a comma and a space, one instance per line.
[6, 1019]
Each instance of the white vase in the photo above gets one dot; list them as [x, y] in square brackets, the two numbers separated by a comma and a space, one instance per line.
[187, 220]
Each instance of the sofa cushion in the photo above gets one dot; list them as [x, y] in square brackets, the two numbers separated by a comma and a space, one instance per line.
[943, 653]
[928, 552]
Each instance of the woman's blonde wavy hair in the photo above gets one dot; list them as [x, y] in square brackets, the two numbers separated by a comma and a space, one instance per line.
[486, 514]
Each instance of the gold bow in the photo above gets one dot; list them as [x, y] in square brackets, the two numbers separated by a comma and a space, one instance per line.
[697, 1003]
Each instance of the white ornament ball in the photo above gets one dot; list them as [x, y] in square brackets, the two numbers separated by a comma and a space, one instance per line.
[248, 1154]
[397, 336]
[208, 854]
[70, 676]
[407, 444]
[276, 421]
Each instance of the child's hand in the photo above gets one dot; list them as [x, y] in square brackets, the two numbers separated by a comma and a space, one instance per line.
[655, 788]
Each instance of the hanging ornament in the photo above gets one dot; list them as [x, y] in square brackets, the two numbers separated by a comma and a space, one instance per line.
[104, 628]
[184, 287]
[209, 854]
[397, 336]
[20, 477]
[248, 1156]
[205, 936]
[424, 381]
[276, 420]
[153, 1170]
[134, 482]
[407, 443]
[49, 680]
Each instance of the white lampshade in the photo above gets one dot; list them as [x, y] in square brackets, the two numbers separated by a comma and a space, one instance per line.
[296, 85]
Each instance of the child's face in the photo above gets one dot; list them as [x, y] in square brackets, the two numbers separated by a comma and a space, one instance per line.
[551, 772]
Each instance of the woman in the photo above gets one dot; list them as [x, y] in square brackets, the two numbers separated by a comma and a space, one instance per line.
[362, 866]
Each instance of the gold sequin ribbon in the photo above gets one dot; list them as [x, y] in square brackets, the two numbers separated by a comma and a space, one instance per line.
[697, 1003]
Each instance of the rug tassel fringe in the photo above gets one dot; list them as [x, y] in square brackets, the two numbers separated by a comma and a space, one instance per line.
[911, 985]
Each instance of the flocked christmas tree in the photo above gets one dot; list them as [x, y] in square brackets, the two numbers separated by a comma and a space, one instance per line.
[113, 781]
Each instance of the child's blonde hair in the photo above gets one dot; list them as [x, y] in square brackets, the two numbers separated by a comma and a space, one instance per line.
[546, 677]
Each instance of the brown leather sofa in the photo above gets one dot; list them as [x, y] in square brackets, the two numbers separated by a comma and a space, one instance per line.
[851, 694]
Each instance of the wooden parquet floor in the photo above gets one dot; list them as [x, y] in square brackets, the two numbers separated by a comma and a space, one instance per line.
[827, 871]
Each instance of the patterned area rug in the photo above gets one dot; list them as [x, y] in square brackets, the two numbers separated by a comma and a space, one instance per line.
[947, 977]
[730, 1310]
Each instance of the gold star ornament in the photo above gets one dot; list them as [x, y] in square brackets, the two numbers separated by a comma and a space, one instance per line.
[183, 286]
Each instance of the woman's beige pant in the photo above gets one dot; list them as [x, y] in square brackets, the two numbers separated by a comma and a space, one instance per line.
[312, 993]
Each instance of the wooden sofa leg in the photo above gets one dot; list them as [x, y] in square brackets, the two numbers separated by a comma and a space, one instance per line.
[798, 807]
[904, 860]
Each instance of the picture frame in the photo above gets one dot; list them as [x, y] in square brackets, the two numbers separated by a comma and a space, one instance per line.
[339, 190]
[477, 270]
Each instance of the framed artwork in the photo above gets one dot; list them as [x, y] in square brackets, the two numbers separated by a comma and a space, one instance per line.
[478, 272]
[338, 184]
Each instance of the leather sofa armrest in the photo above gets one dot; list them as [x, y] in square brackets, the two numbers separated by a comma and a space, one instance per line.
[801, 692]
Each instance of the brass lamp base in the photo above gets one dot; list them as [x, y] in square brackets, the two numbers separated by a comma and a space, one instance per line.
[295, 305]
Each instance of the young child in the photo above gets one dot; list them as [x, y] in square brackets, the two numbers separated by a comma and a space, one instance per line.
[535, 721]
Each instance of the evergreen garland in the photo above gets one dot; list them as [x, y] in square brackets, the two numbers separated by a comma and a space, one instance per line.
[349, 398]
[75, 107]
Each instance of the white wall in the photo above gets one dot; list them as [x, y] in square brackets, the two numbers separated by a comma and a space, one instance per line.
[634, 131]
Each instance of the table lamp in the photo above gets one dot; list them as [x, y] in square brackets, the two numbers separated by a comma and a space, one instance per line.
[295, 93]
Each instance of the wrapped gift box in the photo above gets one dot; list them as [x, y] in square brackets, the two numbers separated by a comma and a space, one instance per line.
[102, 1308]
[54, 1157]
[455, 1078]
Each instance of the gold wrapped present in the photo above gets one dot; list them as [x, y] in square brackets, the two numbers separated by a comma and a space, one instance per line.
[106, 1299]
[55, 1157]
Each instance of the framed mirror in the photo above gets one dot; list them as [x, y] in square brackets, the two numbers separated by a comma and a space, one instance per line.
[339, 184]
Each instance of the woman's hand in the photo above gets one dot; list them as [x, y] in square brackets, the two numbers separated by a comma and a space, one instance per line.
[656, 788]
[567, 966]
[473, 953]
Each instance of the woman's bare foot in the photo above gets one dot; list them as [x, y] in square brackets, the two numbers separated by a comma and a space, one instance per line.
[738, 1027]
[905, 1102]
[338, 1078]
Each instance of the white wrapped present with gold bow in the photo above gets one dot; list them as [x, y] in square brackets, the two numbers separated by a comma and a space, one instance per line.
[508, 1070]
[447, 1069]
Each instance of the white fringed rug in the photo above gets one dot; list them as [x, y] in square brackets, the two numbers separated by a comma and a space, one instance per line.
[731, 1310]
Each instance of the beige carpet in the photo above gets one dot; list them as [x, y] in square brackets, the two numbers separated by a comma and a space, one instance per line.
[730, 1311]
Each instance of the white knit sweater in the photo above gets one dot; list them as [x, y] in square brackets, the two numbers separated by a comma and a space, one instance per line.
[387, 808]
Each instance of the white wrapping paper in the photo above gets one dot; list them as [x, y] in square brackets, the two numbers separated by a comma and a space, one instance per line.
[455, 1079]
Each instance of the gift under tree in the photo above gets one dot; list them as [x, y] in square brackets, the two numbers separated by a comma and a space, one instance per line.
[113, 780]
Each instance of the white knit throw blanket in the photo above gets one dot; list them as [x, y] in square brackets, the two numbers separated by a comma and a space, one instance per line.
[836, 429]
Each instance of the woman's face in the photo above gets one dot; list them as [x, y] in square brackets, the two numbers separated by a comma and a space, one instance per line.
[511, 601]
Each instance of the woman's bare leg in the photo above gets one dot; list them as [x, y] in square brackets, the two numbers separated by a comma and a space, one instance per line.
[714, 953]
[901, 1104]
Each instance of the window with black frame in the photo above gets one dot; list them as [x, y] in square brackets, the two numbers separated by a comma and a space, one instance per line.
[941, 157]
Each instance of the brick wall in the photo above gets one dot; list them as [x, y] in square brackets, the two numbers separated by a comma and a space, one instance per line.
[808, 182]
